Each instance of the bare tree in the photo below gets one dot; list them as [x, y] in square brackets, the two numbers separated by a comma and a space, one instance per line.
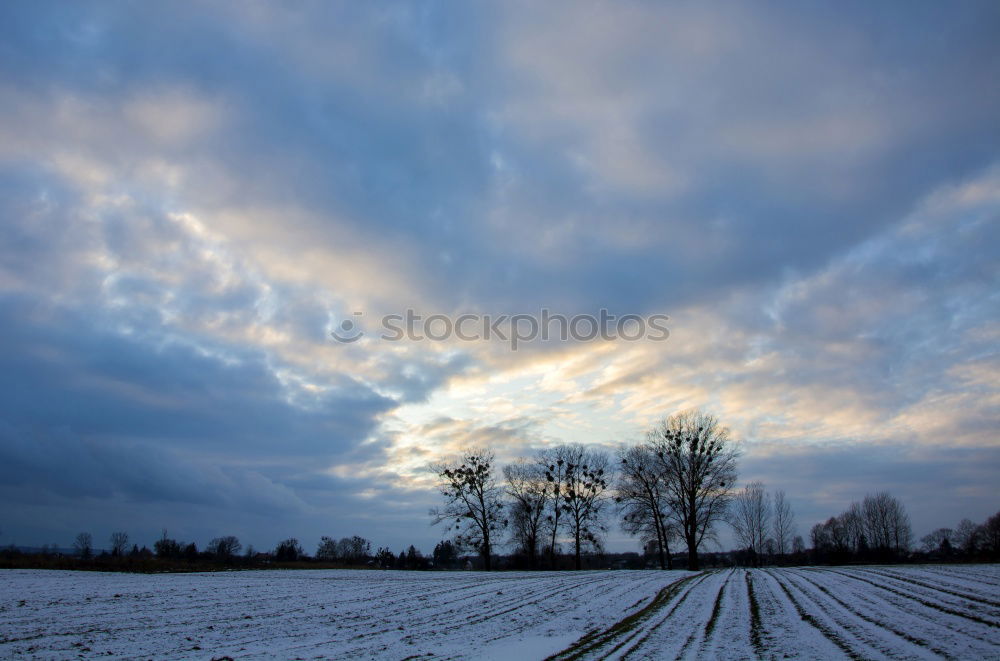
[853, 523]
[840, 542]
[349, 550]
[902, 531]
[875, 514]
[529, 493]
[327, 549]
[353, 550]
[819, 535]
[968, 537]
[939, 539]
[84, 545]
[784, 524]
[554, 462]
[224, 548]
[119, 542]
[698, 461]
[473, 502]
[750, 517]
[798, 545]
[887, 526]
[582, 497]
[641, 495]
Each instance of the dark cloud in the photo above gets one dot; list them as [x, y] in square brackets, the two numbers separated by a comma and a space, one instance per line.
[65, 373]
[192, 196]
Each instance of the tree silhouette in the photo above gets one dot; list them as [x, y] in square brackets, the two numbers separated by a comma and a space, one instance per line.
[784, 524]
[528, 491]
[582, 496]
[119, 542]
[641, 496]
[750, 517]
[84, 545]
[473, 502]
[224, 548]
[554, 462]
[288, 551]
[699, 464]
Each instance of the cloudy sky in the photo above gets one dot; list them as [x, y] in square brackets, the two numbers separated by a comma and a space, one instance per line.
[193, 196]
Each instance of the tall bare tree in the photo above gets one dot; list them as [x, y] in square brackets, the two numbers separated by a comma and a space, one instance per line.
[784, 523]
[641, 495]
[529, 494]
[554, 463]
[699, 463]
[473, 501]
[853, 523]
[582, 497]
[887, 525]
[750, 517]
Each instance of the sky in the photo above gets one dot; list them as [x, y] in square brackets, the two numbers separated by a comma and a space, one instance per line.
[194, 196]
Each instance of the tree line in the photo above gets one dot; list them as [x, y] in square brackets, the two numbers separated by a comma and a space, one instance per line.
[674, 487]
[968, 540]
[169, 554]
[671, 491]
[877, 529]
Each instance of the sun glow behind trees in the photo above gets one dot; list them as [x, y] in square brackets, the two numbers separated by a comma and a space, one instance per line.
[677, 484]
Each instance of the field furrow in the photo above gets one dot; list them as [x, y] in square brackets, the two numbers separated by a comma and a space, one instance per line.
[969, 596]
[936, 601]
[889, 641]
[899, 612]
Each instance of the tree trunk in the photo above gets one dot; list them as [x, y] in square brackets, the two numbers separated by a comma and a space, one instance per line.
[552, 549]
[659, 539]
[692, 533]
[692, 554]
[579, 565]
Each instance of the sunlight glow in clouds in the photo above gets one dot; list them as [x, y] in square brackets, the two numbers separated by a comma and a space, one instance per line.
[193, 196]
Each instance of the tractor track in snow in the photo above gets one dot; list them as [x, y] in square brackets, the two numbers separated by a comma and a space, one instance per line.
[930, 604]
[775, 613]
[844, 611]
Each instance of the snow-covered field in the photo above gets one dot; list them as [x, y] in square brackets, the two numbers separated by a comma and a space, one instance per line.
[868, 612]
[813, 613]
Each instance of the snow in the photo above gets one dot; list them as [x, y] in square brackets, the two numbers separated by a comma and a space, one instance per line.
[818, 613]
[912, 612]
[304, 614]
